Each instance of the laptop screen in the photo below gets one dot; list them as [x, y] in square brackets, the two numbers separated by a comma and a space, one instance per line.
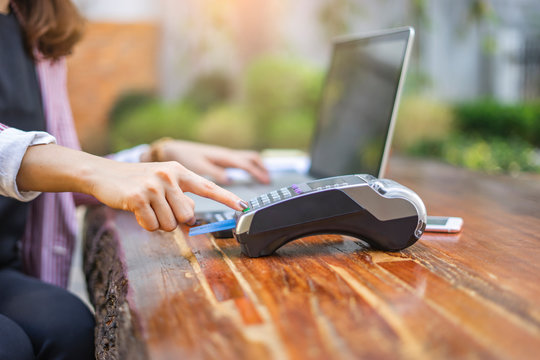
[356, 110]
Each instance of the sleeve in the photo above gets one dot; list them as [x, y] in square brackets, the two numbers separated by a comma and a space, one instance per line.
[131, 155]
[13, 145]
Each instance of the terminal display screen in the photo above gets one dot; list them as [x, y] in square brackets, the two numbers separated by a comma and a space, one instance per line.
[335, 181]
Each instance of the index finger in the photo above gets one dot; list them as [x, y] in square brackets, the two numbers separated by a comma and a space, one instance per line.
[206, 188]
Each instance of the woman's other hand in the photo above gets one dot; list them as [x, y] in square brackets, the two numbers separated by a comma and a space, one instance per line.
[209, 160]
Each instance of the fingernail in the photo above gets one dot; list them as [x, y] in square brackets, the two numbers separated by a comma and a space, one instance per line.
[243, 204]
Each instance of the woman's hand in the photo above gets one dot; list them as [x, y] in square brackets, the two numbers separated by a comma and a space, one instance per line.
[154, 192]
[209, 160]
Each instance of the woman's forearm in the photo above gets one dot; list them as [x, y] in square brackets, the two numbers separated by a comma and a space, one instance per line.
[53, 168]
[154, 192]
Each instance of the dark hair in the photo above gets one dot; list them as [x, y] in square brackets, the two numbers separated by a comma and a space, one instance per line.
[52, 27]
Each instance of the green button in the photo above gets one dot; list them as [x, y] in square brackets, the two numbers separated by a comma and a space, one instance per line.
[245, 210]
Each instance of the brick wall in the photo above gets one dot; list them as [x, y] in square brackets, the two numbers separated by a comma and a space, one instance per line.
[111, 59]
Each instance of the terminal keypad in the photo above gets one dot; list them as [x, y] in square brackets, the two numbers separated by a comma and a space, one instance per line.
[288, 192]
[271, 197]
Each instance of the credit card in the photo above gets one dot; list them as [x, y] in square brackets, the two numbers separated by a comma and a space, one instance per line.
[213, 227]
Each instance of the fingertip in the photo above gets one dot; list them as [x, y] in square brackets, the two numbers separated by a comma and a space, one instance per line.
[147, 227]
[237, 204]
[169, 227]
[141, 222]
[243, 204]
[219, 194]
[235, 207]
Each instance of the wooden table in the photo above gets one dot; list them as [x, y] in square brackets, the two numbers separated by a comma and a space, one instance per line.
[474, 295]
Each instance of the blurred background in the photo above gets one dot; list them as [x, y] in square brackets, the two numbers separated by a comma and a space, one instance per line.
[247, 74]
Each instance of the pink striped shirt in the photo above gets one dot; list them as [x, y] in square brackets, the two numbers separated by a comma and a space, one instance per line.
[49, 239]
[51, 229]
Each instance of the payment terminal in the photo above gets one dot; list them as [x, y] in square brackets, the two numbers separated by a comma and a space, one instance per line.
[383, 213]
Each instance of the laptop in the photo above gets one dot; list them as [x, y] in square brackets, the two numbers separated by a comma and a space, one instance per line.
[358, 106]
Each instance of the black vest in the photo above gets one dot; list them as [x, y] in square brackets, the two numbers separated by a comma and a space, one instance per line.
[21, 108]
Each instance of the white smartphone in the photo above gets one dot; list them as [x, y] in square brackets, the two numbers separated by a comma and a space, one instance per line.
[444, 224]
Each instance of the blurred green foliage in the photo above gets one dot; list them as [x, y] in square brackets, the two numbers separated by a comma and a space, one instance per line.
[490, 118]
[227, 125]
[485, 136]
[422, 120]
[489, 154]
[276, 103]
[274, 107]
[149, 120]
[281, 95]
[210, 89]
[128, 102]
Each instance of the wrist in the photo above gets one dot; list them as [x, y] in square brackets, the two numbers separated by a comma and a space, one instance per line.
[158, 152]
[87, 175]
[93, 173]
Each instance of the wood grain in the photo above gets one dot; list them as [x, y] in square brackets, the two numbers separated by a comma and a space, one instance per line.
[471, 295]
